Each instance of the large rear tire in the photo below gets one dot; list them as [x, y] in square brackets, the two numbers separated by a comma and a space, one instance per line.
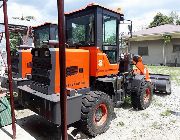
[142, 99]
[96, 112]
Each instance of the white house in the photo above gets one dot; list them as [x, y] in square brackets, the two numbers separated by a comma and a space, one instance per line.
[150, 44]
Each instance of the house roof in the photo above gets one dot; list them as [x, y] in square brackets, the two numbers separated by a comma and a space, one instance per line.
[155, 33]
[14, 28]
[163, 29]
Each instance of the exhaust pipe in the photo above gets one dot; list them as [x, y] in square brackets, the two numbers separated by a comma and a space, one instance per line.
[162, 83]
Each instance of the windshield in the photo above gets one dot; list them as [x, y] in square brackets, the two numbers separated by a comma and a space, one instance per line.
[80, 31]
[40, 35]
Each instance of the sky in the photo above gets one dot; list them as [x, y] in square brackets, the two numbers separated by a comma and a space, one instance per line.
[141, 12]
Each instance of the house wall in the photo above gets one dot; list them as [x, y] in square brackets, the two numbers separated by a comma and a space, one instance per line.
[173, 55]
[155, 50]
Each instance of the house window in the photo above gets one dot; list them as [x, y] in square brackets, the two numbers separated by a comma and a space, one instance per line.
[143, 51]
[176, 48]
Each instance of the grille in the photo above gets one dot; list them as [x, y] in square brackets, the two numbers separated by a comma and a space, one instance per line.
[41, 69]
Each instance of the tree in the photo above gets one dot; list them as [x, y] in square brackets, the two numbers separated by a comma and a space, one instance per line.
[78, 33]
[15, 40]
[178, 22]
[111, 40]
[167, 39]
[176, 17]
[161, 19]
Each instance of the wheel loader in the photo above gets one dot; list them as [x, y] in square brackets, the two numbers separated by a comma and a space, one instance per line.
[97, 77]
[21, 67]
[22, 59]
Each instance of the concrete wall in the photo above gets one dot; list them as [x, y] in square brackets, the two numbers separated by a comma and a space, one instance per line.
[155, 48]
[173, 55]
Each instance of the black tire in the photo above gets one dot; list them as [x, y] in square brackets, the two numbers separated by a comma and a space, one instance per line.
[142, 99]
[91, 102]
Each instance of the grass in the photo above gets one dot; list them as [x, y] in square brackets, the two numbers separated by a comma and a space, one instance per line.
[166, 113]
[173, 121]
[127, 102]
[158, 104]
[156, 125]
[174, 72]
[146, 115]
[121, 124]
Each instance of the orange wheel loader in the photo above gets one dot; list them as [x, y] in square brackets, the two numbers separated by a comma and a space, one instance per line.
[97, 78]
[22, 58]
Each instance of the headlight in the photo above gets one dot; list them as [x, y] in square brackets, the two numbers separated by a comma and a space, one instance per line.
[46, 53]
[36, 53]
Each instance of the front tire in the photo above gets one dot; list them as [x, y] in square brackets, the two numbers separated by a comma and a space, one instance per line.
[96, 112]
[142, 99]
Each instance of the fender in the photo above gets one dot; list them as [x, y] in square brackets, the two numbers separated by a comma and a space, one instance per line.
[112, 86]
[136, 82]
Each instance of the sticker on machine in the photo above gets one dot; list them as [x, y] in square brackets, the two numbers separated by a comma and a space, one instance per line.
[100, 63]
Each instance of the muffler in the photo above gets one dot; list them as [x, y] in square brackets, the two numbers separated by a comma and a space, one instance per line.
[161, 83]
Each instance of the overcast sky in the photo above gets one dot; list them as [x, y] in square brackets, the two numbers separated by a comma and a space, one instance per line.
[141, 12]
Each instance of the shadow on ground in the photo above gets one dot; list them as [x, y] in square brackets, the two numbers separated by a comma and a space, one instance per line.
[40, 129]
[5, 131]
[161, 94]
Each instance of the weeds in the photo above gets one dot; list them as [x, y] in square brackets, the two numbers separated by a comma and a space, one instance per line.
[146, 115]
[127, 102]
[166, 113]
[173, 121]
[172, 71]
[121, 124]
[158, 104]
[155, 125]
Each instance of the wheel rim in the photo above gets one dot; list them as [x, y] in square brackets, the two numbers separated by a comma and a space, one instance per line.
[147, 95]
[100, 114]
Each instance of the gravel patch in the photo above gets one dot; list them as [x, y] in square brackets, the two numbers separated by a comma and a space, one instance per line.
[161, 121]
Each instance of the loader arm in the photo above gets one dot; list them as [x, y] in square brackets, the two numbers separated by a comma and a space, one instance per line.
[161, 83]
[141, 68]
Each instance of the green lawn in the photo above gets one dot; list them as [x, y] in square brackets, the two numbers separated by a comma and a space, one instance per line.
[174, 72]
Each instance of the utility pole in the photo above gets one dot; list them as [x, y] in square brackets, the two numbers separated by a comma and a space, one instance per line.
[9, 67]
[62, 64]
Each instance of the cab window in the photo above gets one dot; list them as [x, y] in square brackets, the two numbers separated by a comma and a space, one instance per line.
[109, 30]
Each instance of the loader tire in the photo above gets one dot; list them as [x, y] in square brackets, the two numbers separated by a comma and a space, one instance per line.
[142, 99]
[96, 113]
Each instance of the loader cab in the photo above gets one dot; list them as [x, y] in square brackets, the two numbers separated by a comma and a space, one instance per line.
[94, 26]
[45, 32]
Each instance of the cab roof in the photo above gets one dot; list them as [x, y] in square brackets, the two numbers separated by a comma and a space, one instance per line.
[45, 24]
[93, 5]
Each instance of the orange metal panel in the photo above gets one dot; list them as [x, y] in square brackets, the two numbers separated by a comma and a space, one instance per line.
[74, 57]
[26, 62]
[141, 68]
[99, 63]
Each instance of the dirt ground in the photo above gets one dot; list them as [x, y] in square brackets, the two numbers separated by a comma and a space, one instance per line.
[161, 121]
